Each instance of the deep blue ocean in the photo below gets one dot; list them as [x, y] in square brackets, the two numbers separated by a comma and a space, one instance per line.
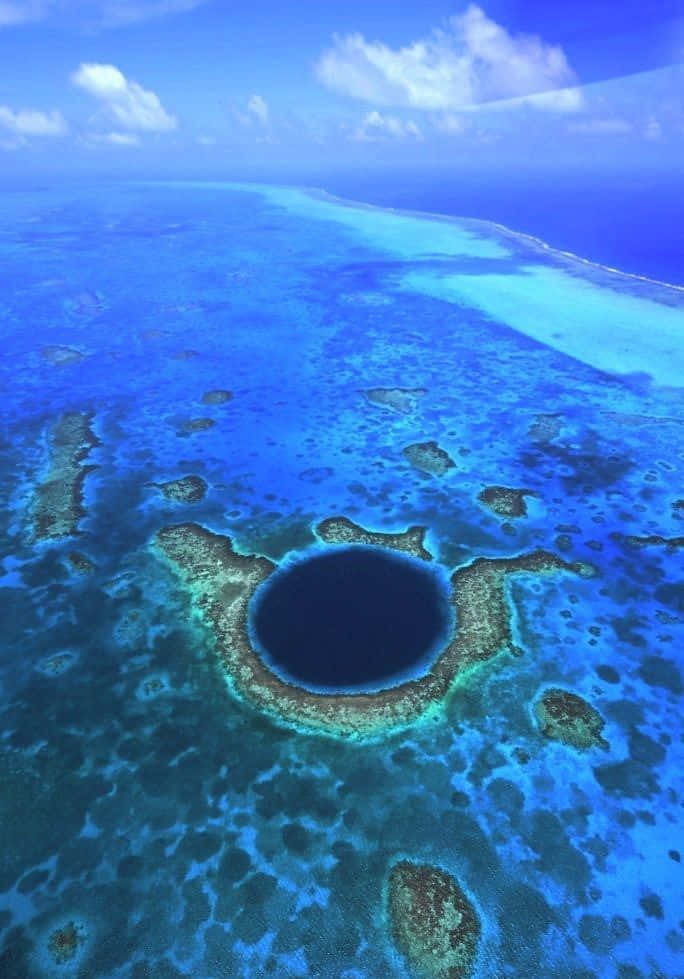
[207, 387]
[633, 222]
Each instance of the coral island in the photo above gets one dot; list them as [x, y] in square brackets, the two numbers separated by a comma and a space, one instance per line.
[402, 400]
[217, 397]
[222, 583]
[57, 503]
[429, 457]
[434, 925]
[567, 717]
[188, 489]
[505, 502]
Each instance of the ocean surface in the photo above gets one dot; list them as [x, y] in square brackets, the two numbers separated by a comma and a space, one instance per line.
[632, 221]
[204, 384]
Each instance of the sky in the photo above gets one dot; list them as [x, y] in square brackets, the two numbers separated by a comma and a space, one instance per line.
[214, 87]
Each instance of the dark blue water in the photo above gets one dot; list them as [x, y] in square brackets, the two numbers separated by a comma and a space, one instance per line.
[351, 618]
[632, 222]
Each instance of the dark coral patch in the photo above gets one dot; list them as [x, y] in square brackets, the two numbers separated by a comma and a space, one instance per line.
[505, 502]
[429, 457]
[341, 530]
[58, 500]
[80, 563]
[567, 717]
[196, 425]
[65, 942]
[188, 489]
[60, 356]
[217, 397]
[434, 925]
[402, 400]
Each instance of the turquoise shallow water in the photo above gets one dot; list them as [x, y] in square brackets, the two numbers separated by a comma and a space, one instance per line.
[182, 832]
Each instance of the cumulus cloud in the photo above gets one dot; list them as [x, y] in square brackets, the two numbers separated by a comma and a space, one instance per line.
[258, 109]
[470, 61]
[31, 122]
[375, 126]
[127, 103]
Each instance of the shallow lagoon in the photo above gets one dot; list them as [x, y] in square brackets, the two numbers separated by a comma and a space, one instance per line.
[174, 827]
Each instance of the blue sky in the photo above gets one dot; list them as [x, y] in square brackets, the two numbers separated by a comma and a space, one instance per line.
[211, 87]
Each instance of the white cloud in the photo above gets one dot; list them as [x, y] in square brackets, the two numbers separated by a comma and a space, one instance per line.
[601, 126]
[119, 139]
[117, 13]
[471, 61]
[31, 122]
[376, 126]
[103, 13]
[128, 103]
[653, 130]
[20, 11]
[258, 108]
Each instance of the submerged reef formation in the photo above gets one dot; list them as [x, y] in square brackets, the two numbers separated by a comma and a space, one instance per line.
[567, 717]
[58, 501]
[403, 400]
[196, 425]
[505, 502]
[429, 457]
[341, 530]
[222, 583]
[60, 356]
[434, 925]
[649, 540]
[80, 563]
[217, 397]
[65, 942]
[188, 489]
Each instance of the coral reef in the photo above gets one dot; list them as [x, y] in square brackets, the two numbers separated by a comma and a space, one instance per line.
[216, 397]
[402, 400]
[567, 717]
[188, 489]
[58, 501]
[429, 457]
[434, 925]
[649, 540]
[505, 502]
[80, 563]
[61, 356]
[341, 530]
[65, 942]
[222, 583]
[196, 425]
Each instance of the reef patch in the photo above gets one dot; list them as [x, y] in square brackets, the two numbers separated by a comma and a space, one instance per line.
[429, 457]
[649, 540]
[217, 397]
[222, 583]
[434, 925]
[567, 717]
[505, 502]
[187, 489]
[195, 425]
[57, 504]
[341, 530]
[401, 400]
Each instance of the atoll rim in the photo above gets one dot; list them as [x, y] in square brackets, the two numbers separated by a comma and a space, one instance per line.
[223, 582]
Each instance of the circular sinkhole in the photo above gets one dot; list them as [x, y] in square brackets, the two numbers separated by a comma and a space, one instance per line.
[351, 618]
